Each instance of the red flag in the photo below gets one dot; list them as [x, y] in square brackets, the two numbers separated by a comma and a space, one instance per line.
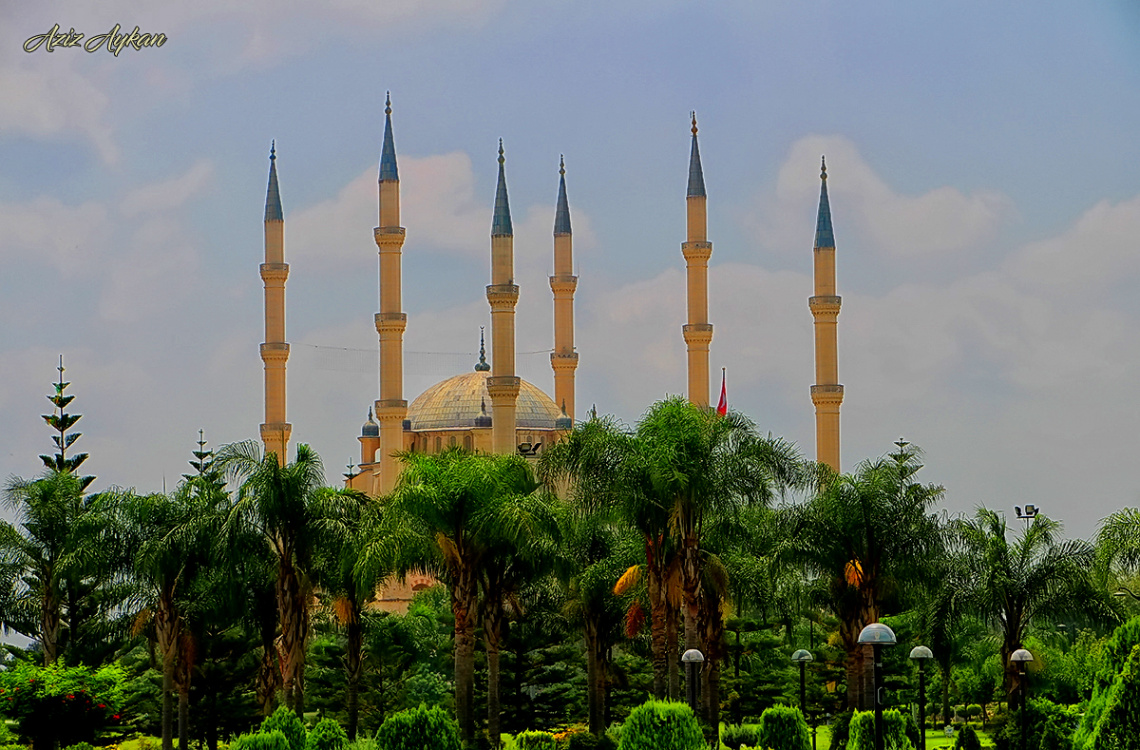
[722, 407]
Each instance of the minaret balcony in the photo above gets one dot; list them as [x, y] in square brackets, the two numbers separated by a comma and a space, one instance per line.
[697, 333]
[503, 387]
[696, 251]
[502, 296]
[824, 395]
[274, 272]
[274, 351]
[825, 304]
[389, 322]
[564, 361]
[563, 283]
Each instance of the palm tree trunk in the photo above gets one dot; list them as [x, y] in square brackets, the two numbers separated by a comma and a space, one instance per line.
[464, 598]
[595, 679]
[354, 664]
[167, 627]
[671, 654]
[184, 717]
[657, 621]
[167, 701]
[492, 633]
[49, 628]
[292, 609]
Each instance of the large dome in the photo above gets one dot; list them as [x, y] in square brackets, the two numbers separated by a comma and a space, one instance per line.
[457, 402]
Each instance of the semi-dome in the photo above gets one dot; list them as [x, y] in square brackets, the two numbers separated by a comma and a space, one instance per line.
[458, 401]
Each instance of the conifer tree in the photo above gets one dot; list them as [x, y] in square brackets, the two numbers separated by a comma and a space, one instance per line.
[61, 422]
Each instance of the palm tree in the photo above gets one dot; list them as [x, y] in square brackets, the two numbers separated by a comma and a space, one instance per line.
[700, 464]
[58, 557]
[1014, 583]
[867, 537]
[292, 510]
[599, 465]
[350, 591]
[448, 514]
[1118, 546]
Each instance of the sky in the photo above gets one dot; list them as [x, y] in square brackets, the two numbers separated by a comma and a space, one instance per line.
[983, 175]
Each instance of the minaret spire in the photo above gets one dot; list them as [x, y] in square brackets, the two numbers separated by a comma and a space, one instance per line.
[698, 332]
[827, 393]
[563, 360]
[275, 431]
[391, 408]
[502, 296]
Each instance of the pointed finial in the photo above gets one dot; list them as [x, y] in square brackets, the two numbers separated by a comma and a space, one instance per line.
[696, 174]
[824, 234]
[482, 365]
[273, 210]
[370, 418]
[564, 407]
[388, 170]
[501, 221]
[561, 165]
[483, 406]
[562, 207]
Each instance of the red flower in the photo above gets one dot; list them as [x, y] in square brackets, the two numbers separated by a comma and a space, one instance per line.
[102, 705]
[116, 716]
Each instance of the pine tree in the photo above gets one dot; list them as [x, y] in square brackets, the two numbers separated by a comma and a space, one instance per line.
[61, 422]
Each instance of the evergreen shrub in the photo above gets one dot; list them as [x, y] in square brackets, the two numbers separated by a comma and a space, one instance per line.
[1050, 726]
[661, 725]
[1119, 724]
[535, 740]
[783, 728]
[418, 729]
[840, 730]
[862, 732]
[289, 724]
[80, 746]
[326, 735]
[735, 735]
[274, 740]
[967, 739]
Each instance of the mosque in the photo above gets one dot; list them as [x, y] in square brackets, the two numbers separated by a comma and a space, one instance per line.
[491, 409]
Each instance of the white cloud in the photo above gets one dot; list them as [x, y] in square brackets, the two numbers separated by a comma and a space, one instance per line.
[71, 238]
[939, 222]
[169, 194]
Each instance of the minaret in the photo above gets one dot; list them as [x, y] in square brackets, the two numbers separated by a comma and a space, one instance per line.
[827, 393]
[502, 295]
[564, 360]
[697, 250]
[391, 408]
[275, 352]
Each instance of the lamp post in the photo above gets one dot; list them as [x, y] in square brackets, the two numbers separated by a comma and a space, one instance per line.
[802, 657]
[692, 659]
[1021, 657]
[921, 654]
[1030, 513]
[878, 635]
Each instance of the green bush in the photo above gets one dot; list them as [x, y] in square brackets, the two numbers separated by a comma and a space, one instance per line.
[661, 725]
[733, 735]
[326, 735]
[967, 739]
[59, 704]
[534, 740]
[783, 728]
[274, 740]
[1119, 724]
[840, 730]
[289, 724]
[587, 741]
[418, 729]
[80, 746]
[1049, 727]
[862, 732]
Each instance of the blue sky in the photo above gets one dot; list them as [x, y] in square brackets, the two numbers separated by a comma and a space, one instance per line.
[983, 176]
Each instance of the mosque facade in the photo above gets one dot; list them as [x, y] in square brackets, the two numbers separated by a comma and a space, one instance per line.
[490, 409]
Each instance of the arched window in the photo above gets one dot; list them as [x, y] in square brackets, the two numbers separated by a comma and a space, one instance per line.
[467, 443]
[438, 444]
[451, 441]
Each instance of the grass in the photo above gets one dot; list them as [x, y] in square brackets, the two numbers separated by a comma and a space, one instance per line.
[935, 738]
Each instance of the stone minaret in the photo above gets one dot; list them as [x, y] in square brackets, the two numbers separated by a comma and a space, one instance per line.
[275, 352]
[827, 393]
[502, 295]
[564, 360]
[391, 408]
[697, 250]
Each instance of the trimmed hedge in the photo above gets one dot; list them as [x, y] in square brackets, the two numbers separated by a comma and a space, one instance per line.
[967, 739]
[735, 735]
[661, 725]
[274, 740]
[326, 735]
[862, 735]
[289, 724]
[534, 740]
[783, 728]
[419, 729]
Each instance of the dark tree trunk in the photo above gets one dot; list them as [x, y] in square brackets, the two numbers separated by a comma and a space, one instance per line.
[354, 665]
[595, 679]
[673, 654]
[464, 599]
[492, 635]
